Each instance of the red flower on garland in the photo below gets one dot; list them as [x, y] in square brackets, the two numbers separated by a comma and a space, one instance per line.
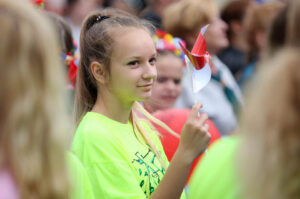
[72, 72]
[38, 3]
[161, 33]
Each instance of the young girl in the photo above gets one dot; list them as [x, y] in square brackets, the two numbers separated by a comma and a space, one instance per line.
[32, 120]
[121, 153]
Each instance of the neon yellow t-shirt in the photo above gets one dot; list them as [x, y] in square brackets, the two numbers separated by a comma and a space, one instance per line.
[80, 184]
[215, 177]
[118, 163]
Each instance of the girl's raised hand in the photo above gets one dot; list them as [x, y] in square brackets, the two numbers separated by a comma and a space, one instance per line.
[194, 135]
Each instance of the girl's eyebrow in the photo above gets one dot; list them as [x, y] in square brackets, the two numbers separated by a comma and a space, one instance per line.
[134, 57]
[138, 57]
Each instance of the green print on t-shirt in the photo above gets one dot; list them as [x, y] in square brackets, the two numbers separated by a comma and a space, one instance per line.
[148, 167]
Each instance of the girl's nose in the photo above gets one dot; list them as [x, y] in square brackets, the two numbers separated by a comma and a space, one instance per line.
[149, 71]
[170, 85]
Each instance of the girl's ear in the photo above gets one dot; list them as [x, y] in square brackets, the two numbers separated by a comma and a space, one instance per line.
[99, 72]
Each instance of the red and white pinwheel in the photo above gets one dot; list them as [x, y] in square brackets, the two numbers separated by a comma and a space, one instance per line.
[198, 62]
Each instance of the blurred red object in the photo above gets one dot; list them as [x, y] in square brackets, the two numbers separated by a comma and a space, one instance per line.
[38, 3]
[175, 119]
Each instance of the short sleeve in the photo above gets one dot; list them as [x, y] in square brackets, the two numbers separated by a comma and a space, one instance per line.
[108, 168]
[80, 184]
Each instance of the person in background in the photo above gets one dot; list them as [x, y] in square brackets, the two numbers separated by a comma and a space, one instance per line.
[275, 158]
[80, 184]
[55, 6]
[263, 161]
[154, 11]
[69, 56]
[33, 134]
[234, 56]
[257, 23]
[76, 11]
[271, 142]
[284, 30]
[221, 97]
[67, 46]
[169, 66]
[133, 7]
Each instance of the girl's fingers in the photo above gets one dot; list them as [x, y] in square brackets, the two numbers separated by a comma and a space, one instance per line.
[205, 127]
[202, 119]
[194, 111]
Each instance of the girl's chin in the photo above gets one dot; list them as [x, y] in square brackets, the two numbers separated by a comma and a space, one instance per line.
[144, 98]
[168, 100]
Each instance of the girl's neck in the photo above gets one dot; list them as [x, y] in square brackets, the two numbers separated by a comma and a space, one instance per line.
[112, 108]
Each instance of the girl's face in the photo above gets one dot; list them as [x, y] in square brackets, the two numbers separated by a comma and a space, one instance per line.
[132, 66]
[167, 86]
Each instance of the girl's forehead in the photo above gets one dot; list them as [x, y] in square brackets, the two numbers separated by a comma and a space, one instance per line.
[119, 31]
[133, 41]
[169, 65]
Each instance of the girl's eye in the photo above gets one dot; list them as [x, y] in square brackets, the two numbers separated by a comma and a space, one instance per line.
[152, 60]
[161, 79]
[177, 81]
[133, 63]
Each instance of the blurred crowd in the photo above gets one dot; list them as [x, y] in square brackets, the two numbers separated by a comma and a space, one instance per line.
[235, 40]
[252, 100]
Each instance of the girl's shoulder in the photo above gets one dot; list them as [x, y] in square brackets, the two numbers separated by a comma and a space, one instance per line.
[96, 131]
[95, 124]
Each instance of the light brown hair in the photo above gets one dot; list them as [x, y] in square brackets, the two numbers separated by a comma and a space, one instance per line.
[32, 120]
[258, 19]
[234, 11]
[285, 29]
[269, 156]
[64, 31]
[188, 16]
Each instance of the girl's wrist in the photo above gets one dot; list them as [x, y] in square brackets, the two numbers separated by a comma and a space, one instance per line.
[185, 156]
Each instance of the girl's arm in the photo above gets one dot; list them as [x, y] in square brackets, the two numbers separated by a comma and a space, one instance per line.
[194, 140]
